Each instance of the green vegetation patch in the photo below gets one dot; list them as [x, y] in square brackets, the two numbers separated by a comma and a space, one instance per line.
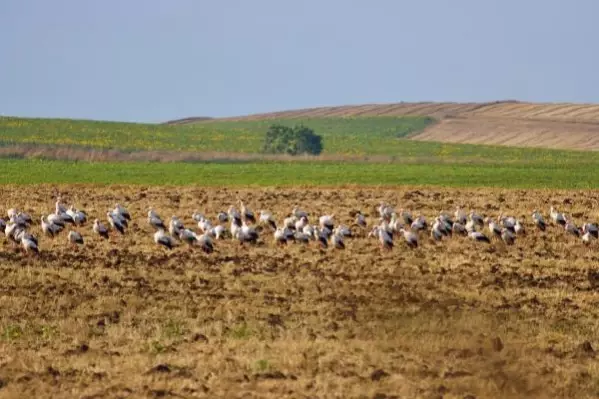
[372, 135]
[30, 171]
[369, 136]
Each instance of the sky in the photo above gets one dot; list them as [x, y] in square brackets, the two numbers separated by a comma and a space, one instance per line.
[157, 60]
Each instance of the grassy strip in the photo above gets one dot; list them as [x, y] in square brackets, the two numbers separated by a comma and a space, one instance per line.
[29, 171]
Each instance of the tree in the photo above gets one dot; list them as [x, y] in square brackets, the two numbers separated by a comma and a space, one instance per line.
[291, 140]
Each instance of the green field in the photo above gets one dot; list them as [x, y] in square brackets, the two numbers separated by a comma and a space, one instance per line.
[340, 135]
[404, 162]
[373, 136]
[29, 171]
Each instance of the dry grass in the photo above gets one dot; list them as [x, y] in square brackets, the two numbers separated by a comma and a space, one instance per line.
[449, 320]
[74, 153]
[510, 123]
[423, 155]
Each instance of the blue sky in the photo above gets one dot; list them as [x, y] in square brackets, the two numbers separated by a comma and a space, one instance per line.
[155, 60]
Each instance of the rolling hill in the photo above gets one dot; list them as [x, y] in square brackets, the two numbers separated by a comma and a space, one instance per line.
[507, 123]
[426, 144]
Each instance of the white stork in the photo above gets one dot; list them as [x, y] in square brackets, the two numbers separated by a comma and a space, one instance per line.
[100, 229]
[161, 238]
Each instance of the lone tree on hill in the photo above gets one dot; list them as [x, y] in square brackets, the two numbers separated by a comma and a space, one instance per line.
[291, 140]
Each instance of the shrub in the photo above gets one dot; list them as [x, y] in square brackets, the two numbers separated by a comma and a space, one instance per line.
[292, 140]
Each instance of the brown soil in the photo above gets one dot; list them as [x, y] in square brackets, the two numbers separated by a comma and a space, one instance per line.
[452, 320]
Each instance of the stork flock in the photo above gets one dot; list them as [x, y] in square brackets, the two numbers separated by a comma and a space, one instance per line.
[245, 227]
[505, 228]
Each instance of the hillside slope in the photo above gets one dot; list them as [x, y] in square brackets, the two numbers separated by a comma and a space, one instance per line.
[566, 126]
[510, 123]
[514, 132]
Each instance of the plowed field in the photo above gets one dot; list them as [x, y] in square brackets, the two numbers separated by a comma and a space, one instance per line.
[454, 319]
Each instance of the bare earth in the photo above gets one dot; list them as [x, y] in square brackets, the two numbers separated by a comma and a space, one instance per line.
[510, 123]
[456, 319]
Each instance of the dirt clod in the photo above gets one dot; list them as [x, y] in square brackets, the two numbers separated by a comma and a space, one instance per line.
[497, 344]
[275, 375]
[585, 349]
[200, 338]
[378, 374]
[52, 371]
[160, 368]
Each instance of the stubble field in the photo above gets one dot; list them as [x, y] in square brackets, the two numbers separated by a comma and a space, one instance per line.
[456, 319]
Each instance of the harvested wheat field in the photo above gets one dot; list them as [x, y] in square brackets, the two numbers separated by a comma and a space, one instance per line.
[456, 319]
[564, 112]
[514, 132]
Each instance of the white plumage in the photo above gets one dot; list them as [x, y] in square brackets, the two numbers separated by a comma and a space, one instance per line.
[337, 241]
[205, 243]
[410, 238]
[161, 238]
[100, 229]
[75, 237]
[478, 236]
[266, 218]
[360, 220]
[327, 221]
[188, 236]
[29, 243]
[50, 229]
[556, 216]
[280, 236]
[156, 222]
[115, 222]
[122, 211]
[175, 226]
